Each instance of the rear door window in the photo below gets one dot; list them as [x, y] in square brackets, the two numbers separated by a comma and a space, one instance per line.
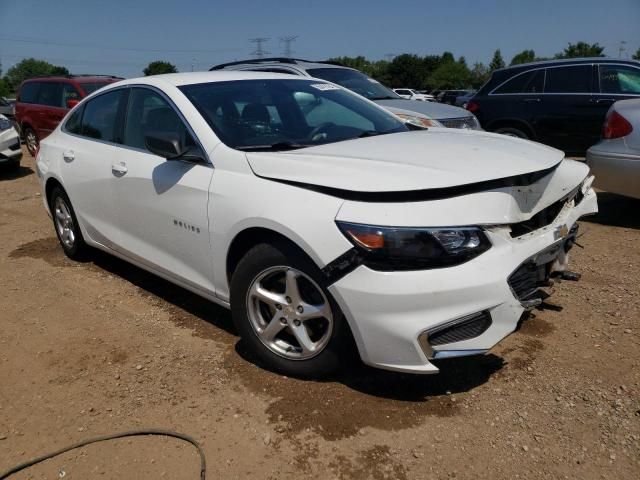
[531, 82]
[100, 116]
[569, 79]
[619, 79]
[29, 92]
[50, 94]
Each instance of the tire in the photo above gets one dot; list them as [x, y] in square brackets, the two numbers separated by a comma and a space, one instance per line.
[270, 268]
[512, 132]
[66, 225]
[31, 140]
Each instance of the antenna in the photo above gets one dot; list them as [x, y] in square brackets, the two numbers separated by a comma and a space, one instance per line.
[259, 52]
[288, 40]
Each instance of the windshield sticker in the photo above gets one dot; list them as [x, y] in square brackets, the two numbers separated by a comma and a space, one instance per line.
[325, 86]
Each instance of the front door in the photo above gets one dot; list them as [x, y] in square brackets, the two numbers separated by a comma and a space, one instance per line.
[162, 204]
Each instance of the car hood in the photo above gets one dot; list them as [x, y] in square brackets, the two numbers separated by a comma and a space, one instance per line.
[402, 162]
[433, 110]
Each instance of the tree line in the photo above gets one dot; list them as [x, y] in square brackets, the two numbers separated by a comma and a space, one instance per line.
[406, 70]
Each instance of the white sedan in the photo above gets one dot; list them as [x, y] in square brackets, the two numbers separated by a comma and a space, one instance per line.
[319, 218]
[10, 152]
[411, 94]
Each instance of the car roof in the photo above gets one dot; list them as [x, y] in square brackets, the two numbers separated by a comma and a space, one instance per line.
[190, 78]
[75, 78]
[279, 61]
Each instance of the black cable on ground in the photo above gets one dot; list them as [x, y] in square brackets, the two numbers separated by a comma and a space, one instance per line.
[133, 433]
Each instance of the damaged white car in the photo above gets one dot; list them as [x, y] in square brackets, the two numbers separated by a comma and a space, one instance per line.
[320, 219]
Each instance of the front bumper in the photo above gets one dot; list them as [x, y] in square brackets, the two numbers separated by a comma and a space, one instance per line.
[391, 313]
[10, 151]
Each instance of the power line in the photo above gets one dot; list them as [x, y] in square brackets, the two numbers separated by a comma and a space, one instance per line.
[286, 51]
[259, 52]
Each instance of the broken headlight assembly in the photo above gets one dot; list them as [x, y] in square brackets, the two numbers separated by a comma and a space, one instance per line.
[409, 248]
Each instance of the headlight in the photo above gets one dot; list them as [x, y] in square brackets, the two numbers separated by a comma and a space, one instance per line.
[419, 121]
[408, 248]
[5, 124]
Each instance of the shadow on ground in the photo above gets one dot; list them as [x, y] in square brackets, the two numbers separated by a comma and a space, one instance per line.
[11, 174]
[617, 211]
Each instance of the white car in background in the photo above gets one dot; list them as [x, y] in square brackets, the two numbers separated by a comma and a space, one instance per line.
[615, 161]
[319, 218]
[10, 152]
[410, 94]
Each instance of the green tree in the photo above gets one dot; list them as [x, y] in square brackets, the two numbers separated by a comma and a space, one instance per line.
[5, 90]
[581, 49]
[496, 62]
[479, 75]
[525, 56]
[407, 70]
[159, 67]
[447, 57]
[29, 68]
[636, 56]
[451, 75]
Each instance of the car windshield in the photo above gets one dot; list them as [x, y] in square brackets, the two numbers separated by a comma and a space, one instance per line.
[286, 114]
[90, 87]
[355, 81]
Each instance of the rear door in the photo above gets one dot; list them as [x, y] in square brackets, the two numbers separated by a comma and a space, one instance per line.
[517, 102]
[162, 204]
[51, 109]
[568, 118]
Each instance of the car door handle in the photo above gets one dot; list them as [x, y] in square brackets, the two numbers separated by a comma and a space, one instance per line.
[68, 156]
[605, 100]
[531, 100]
[119, 169]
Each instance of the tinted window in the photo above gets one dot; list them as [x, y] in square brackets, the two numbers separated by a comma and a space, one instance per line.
[93, 86]
[148, 113]
[29, 92]
[573, 79]
[50, 94]
[258, 114]
[528, 82]
[619, 79]
[100, 116]
[74, 125]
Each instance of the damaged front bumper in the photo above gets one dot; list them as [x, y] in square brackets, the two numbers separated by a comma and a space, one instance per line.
[402, 320]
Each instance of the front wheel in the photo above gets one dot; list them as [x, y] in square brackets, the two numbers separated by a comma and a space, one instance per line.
[284, 313]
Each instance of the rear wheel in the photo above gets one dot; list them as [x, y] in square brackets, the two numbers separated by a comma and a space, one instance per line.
[31, 140]
[66, 225]
[512, 132]
[284, 313]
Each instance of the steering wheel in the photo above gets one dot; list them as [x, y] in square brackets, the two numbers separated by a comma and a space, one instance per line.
[319, 130]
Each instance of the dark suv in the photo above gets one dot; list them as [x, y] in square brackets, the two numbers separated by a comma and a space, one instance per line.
[561, 103]
[42, 102]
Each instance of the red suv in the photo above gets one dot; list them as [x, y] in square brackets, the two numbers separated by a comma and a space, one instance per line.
[42, 102]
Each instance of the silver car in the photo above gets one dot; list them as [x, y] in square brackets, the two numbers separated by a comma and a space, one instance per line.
[615, 161]
[412, 111]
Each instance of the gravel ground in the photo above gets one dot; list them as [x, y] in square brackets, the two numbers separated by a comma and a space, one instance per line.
[100, 347]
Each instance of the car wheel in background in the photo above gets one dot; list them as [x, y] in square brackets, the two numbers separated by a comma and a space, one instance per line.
[66, 225]
[31, 140]
[284, 313]
[512, 132]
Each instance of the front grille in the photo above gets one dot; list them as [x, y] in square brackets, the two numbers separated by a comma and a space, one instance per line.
[525, 280]
[461, 329]
[462, 122]
[541, 219]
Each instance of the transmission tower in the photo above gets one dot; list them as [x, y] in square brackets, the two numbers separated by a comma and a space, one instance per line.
[287, 41]
[259, 52]
[622, 48]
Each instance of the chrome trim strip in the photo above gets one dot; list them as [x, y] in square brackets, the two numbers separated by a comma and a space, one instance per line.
[458, 353]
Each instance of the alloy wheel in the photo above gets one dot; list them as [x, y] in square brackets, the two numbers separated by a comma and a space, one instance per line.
[64, 223]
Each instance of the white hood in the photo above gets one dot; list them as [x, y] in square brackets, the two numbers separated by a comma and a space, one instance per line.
[418, 160]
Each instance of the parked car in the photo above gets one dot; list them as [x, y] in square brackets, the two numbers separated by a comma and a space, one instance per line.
[449, 96]
[10, 152]
[7, 108]
[410, 94]
[315, 215]
[42, 102]
[561, 103]
[463, 100]
[418, 113]
[615, 161]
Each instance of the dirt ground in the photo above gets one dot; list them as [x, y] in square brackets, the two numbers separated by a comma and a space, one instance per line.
[99, 347]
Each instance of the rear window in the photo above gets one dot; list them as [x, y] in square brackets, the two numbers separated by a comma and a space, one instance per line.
[570, 79]
[528, 82]
[29, 92]
[90, 87]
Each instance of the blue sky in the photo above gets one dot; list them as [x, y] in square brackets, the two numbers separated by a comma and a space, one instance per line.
[122, 36]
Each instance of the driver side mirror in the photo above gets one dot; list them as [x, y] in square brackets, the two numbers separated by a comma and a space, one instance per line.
[169, 146]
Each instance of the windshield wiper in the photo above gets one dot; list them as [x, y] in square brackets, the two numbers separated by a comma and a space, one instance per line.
[274, 147]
